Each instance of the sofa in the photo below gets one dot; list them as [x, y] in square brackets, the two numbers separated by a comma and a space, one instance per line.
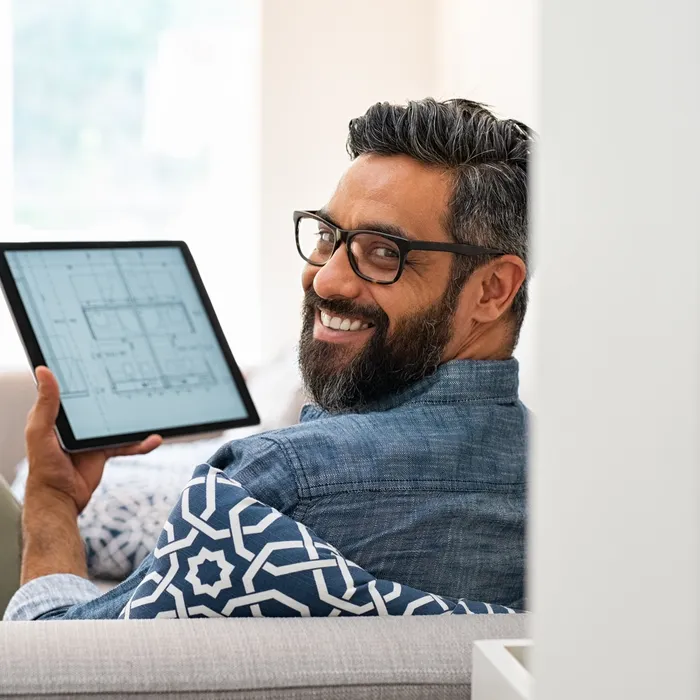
[325, 658]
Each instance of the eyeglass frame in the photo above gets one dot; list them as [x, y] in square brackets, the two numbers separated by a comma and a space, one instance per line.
[404, 245]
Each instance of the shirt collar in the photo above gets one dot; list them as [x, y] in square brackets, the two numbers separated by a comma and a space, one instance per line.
[459, 381]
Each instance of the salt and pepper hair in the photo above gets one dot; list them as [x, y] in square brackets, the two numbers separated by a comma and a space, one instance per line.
[489, 158]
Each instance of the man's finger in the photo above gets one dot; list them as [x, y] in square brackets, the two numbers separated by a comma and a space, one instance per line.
[48, 401]
[141, 448]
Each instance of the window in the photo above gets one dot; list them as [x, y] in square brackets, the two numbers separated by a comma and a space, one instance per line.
[138, 120]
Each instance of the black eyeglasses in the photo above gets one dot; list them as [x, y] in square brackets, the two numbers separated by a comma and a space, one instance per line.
[374, 256]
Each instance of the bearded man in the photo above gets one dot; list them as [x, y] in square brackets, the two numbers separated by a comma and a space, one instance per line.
[411, 460]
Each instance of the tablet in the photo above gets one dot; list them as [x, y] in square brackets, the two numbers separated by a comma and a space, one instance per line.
[130, 333]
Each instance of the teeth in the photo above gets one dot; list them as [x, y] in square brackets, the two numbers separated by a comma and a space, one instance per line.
[342, 324]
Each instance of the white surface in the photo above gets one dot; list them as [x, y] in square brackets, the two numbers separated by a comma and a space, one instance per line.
[497, 672]
[615, 498]
[486, 50]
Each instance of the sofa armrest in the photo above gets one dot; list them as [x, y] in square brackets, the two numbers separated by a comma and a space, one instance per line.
[17, 393]
[247, 657]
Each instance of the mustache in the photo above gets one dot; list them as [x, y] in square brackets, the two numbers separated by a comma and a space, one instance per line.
[345, 307]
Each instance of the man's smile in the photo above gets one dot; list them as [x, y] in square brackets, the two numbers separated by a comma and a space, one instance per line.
[339, 328]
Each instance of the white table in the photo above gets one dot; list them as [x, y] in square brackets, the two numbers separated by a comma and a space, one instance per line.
[501, 670]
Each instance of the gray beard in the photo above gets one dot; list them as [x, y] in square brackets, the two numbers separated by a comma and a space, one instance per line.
[385, 366]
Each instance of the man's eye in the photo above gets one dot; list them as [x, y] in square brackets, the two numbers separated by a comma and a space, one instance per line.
[325, 240]
[384, 252]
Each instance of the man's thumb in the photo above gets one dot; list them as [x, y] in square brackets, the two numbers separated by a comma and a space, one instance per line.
[49, 399]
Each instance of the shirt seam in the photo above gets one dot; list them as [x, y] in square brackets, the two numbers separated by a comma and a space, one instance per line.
[284, 445]
[512, 400]
[378, 487]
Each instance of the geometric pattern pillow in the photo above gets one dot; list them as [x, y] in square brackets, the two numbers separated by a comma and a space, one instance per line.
[222, 553]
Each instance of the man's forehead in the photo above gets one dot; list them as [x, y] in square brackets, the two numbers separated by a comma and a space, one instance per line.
[393, 190]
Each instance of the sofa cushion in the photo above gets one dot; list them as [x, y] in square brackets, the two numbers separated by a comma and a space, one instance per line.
[223, 553]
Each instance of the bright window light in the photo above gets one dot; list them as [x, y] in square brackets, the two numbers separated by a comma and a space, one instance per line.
[136, 120]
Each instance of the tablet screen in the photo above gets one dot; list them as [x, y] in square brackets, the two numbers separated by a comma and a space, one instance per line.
[127, 335]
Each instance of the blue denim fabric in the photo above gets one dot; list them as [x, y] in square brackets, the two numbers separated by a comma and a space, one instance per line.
[427, 487]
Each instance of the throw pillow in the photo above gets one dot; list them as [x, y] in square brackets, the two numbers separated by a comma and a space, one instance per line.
[224, 554]
[121, 523]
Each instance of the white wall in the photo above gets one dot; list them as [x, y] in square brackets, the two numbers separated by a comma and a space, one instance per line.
[487, 51]
[615, 496]
[322, 64]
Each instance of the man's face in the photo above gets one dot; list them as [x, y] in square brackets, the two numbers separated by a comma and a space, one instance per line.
[405, 326]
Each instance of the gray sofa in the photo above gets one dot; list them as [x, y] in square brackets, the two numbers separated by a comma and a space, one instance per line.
[248, 658]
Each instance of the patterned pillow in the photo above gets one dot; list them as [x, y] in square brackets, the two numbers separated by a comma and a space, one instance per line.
[223, 554]
[123, 519]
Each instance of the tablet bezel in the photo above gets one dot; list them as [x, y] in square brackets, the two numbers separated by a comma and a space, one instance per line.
[36, 357]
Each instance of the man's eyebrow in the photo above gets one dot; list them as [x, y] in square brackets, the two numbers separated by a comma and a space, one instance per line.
[379, 227]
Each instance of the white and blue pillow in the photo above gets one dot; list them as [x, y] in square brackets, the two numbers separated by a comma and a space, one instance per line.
[124, 518]
[221, 553]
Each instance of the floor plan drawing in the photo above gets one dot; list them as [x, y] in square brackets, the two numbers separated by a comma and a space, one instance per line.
[119, 323]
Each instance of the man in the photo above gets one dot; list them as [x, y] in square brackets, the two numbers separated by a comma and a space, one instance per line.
[412, 460]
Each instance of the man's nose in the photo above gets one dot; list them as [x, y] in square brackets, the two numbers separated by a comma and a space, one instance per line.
[337, 278]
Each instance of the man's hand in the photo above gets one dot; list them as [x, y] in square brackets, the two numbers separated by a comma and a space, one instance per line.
[59, 486]
[50, 468]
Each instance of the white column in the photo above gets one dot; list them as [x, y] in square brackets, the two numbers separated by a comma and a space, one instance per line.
[322, 64]
[615, 495]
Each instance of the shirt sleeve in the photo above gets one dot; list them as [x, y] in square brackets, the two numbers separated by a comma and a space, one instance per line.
[47, 594]
[69, 597]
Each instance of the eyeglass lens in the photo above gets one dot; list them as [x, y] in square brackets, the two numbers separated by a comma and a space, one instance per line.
[376, 257]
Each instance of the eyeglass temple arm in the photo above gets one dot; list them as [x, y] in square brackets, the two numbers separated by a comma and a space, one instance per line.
[463, 248]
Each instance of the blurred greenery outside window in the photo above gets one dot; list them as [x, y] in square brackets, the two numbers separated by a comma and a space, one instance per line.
[133, 119]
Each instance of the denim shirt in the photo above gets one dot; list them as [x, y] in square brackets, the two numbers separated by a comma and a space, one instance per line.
[426, 487]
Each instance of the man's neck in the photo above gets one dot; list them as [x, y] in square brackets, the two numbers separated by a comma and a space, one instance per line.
[491, 343]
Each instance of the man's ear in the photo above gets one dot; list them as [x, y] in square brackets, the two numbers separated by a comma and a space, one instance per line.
[498, 283]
